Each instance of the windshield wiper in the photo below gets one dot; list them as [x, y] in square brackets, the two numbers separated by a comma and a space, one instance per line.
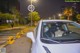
[50, 40]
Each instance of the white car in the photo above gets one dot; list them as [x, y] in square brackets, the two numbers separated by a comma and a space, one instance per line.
[55, 36]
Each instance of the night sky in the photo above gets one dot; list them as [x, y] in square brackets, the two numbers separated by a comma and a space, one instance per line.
[46, 8]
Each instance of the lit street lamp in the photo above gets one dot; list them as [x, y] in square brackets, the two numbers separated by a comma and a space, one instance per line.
[33, 1]
[60, 15]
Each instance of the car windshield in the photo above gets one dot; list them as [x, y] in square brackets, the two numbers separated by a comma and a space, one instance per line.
[60, 32]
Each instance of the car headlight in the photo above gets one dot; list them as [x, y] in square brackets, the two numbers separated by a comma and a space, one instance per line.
[47, 50]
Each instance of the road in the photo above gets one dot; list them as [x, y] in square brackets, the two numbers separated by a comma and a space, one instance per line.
[21, 45]
[6, 33]
[9, 32]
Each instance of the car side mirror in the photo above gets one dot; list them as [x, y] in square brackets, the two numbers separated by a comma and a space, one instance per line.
[30, 35]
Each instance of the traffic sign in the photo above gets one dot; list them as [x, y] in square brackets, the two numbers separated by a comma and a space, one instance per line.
[31, 8]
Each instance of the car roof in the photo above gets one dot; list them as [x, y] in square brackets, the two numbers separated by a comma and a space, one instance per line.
[56, 21]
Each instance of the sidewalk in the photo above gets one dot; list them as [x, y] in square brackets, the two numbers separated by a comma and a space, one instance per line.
[13, 28]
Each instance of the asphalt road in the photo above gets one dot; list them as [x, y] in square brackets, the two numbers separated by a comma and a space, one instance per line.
[5, 34]
[9, 32]
[21, 45]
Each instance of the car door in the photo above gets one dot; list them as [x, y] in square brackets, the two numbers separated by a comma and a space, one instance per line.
[34, 45]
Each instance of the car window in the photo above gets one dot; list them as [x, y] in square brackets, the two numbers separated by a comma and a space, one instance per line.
[74, 27]
[53, 29]
[60, 31]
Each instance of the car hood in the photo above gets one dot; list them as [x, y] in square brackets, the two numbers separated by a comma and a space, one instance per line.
[63, 48]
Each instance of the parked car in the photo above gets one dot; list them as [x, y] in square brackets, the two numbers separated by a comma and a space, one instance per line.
[55, 36]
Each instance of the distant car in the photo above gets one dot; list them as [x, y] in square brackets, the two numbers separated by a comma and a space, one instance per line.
[55, 36]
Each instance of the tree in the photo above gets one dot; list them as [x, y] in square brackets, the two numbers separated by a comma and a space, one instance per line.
[6, 16]
[78, 17]
[62, 17]
[35, 16]
[16, 15]
[15, 11]
[68, 11]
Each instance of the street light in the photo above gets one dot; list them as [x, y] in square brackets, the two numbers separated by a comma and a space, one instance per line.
[60, 15]
[34, 0]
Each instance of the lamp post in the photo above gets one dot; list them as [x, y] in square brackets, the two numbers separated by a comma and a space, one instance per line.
[31, 13]
[31, 8]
